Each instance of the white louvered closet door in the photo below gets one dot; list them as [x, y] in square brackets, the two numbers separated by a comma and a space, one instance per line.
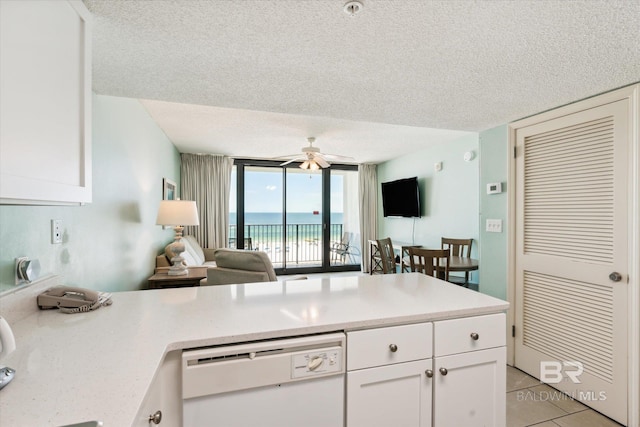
[571, 234]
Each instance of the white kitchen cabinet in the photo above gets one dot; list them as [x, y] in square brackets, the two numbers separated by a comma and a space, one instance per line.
[45, 108]
[164, 395]
[441, 374]
[394, 395]
[469, 389]
[387, 381]
[469, 372]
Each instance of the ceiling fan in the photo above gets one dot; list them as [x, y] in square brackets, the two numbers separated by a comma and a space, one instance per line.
[312, 158]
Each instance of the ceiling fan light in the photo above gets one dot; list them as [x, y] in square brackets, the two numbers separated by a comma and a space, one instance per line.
[313, 165]
[305, 165]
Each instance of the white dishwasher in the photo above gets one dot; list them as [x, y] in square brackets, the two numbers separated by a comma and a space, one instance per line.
[284, 382]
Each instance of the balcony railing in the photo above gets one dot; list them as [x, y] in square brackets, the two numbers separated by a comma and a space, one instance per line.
[298, 244]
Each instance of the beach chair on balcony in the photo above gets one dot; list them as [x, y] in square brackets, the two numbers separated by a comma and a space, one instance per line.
[248, 245]
[344, 250]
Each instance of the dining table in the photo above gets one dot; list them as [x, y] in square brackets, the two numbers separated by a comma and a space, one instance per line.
[456, 263]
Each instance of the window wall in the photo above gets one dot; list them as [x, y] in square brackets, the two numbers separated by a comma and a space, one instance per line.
[305, 221]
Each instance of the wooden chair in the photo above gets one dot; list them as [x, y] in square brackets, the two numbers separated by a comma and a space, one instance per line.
[433, 262]
[460, 248]
[387, 256]
[404, 258]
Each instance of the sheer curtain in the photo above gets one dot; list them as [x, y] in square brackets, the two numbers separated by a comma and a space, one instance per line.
[368, 187]
[206, 179]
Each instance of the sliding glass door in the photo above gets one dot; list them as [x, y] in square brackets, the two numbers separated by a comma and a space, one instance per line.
[344, 247]
[304, 220]
[304, 213]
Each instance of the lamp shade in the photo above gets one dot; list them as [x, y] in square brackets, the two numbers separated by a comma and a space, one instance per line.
[177, 212]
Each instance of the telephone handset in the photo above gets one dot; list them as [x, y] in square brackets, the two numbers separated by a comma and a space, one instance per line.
[73, 300]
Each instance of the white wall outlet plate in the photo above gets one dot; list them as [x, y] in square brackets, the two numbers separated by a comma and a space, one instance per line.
[56, 231]
[437, 166]
[494, 226]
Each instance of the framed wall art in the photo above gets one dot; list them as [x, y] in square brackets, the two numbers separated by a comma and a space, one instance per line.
[169, 191]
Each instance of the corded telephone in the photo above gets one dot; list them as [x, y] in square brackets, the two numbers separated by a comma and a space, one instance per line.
[73, 300]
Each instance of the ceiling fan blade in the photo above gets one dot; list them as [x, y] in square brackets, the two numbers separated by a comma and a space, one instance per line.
[286, 157]
[291, 161]
[321, 161]
[336, 157]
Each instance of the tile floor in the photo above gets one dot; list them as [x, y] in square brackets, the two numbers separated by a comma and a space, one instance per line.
[530, 403]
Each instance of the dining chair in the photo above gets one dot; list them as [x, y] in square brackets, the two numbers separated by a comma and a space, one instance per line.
[433, 262]
[405, 266]
[459, 248]
[387, 256]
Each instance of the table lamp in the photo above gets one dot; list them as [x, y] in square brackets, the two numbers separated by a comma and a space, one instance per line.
[177, 213]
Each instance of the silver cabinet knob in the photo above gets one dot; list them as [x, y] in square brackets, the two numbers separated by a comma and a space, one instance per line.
[475, 336]
[393, 348]
[156, 417]
[615, 276]
[429, 373]
[443, 371]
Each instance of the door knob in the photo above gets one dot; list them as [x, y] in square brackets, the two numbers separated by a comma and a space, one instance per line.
[429, 373]
[615, 276]
[444, 371]
[393, 348]
[475, 336]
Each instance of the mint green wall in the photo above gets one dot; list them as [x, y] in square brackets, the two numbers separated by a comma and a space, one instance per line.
[449, 198]
[494, 161]
[111, 243]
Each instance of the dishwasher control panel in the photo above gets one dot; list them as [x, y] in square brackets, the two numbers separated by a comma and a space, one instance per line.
[317, 362]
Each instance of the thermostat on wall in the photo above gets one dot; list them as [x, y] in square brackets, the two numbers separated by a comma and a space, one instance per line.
[494, 188]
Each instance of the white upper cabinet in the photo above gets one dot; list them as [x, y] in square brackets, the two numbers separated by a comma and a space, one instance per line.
[45, 102]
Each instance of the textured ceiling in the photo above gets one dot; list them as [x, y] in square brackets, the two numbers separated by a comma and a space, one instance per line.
[405, 65]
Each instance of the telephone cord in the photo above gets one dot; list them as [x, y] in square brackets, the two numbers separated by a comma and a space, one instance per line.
[86, 308]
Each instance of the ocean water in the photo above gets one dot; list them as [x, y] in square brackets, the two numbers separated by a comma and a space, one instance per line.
[301, 226]
[275, 218]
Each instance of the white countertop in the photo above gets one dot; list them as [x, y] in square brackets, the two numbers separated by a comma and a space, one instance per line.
[99, 365]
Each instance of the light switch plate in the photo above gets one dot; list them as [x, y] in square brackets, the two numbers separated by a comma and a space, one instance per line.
[494, 226]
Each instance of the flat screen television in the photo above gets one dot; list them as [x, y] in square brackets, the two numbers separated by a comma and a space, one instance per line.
[401, 198]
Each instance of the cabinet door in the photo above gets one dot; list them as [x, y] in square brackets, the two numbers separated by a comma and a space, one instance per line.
[470, 389]
[394, 395]
[164, 394]
[45, 107]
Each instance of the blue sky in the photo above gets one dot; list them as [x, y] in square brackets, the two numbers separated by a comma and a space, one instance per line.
[263, 191]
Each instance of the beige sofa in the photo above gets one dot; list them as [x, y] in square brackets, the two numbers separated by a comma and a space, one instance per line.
[235, 266]
[240, 266]
[193, 255]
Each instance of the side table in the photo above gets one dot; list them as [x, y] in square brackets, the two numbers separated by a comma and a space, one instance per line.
[162, 280]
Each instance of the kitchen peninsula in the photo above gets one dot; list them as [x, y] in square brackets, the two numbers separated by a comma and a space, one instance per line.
[103, 365]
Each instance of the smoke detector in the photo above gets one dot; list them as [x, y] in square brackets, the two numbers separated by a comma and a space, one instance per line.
[352, 8]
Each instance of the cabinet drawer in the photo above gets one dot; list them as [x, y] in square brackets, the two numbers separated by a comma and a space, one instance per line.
[375, 347]
[469, 334]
